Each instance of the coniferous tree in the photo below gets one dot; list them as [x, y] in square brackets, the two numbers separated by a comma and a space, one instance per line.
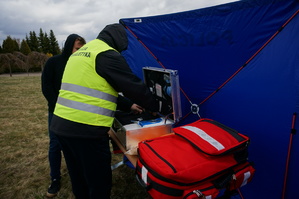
[28, 41]
[29, 53]
[10, 45]
[47, 45]
[17, 44]
[33, 44]
[54, 47]
[41, 40]
[24, 48]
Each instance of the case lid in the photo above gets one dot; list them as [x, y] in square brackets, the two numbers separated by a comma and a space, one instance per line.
[164, 84]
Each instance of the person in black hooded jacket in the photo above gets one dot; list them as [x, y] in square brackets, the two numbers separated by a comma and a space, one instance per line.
[50, 82]
[86, 145]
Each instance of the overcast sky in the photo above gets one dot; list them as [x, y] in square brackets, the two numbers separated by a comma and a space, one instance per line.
[84, 17]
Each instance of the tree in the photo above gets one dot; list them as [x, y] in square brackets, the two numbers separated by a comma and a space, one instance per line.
[18, 62]
[37, 60]
[21, 61]
[41, 39]
[28, 41]
[24, 48]
[44, 42]
[47, 46]
[29, 54]
[4, 63]
[10, 45]
[17, 43]
[12, 62]
[33, 41]
[54, 47]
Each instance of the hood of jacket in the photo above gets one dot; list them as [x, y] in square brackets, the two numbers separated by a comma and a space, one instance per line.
[68, 45]
[115, 36]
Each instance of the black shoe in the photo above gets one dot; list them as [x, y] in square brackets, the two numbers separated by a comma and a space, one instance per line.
[53, 188]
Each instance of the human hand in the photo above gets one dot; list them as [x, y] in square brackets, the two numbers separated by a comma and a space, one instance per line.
[136, 109]
[154, 113]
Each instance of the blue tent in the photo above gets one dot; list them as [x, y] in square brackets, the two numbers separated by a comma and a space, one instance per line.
[239, 62]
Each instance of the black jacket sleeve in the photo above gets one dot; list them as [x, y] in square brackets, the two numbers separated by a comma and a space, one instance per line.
[124, 104]
[113, 67]
[47, 84]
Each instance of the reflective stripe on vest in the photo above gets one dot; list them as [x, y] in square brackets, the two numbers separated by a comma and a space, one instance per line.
[86, 107]
[205, 137]
[88, 91]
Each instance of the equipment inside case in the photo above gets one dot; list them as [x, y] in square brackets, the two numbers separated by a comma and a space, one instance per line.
[164, 84]
[133, 128]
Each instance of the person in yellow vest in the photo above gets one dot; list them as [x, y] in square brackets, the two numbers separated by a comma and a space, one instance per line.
[87, 101]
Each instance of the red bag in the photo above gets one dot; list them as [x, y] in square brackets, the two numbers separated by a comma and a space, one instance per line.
[200, 160]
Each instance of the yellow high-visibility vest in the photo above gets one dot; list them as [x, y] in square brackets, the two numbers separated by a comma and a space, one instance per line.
[85, 97]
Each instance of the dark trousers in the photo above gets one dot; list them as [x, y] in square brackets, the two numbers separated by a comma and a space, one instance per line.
[54, 153]
[89, 166]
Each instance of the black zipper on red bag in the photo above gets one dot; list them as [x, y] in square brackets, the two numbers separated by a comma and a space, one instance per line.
[155, 174]
[160, 157]
[245, 166]
[231, 131]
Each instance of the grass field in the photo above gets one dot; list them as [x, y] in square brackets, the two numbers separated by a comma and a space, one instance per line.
[24, 168]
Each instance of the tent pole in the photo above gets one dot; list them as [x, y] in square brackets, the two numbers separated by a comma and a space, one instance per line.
[240, 193]
[293, 131]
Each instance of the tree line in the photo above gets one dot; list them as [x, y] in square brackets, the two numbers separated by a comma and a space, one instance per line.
[28, 55]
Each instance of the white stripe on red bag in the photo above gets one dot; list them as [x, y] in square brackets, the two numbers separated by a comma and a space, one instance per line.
[205, 137]
[144, 174]
[246, 177]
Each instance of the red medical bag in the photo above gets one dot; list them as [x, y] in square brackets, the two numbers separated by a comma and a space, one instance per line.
[200, 160]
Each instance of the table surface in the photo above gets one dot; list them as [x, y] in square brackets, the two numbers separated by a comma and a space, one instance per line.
[132, 158]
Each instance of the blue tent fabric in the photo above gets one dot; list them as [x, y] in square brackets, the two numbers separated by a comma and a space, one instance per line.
[207, 46]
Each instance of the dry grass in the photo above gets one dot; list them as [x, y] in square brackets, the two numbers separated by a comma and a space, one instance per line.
[24, 168]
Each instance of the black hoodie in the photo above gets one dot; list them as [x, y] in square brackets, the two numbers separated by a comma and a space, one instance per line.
[53, 71]
[112, 66]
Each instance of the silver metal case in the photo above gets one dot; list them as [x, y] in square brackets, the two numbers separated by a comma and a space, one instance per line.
[164, 84]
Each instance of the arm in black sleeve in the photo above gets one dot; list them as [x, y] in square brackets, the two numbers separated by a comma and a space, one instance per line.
[113, 67]
[124, 104]
[47, 84]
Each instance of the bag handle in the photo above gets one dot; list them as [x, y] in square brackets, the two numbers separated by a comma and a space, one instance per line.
[211, 137]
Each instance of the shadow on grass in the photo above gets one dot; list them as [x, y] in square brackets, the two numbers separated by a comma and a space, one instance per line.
[125, 185]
